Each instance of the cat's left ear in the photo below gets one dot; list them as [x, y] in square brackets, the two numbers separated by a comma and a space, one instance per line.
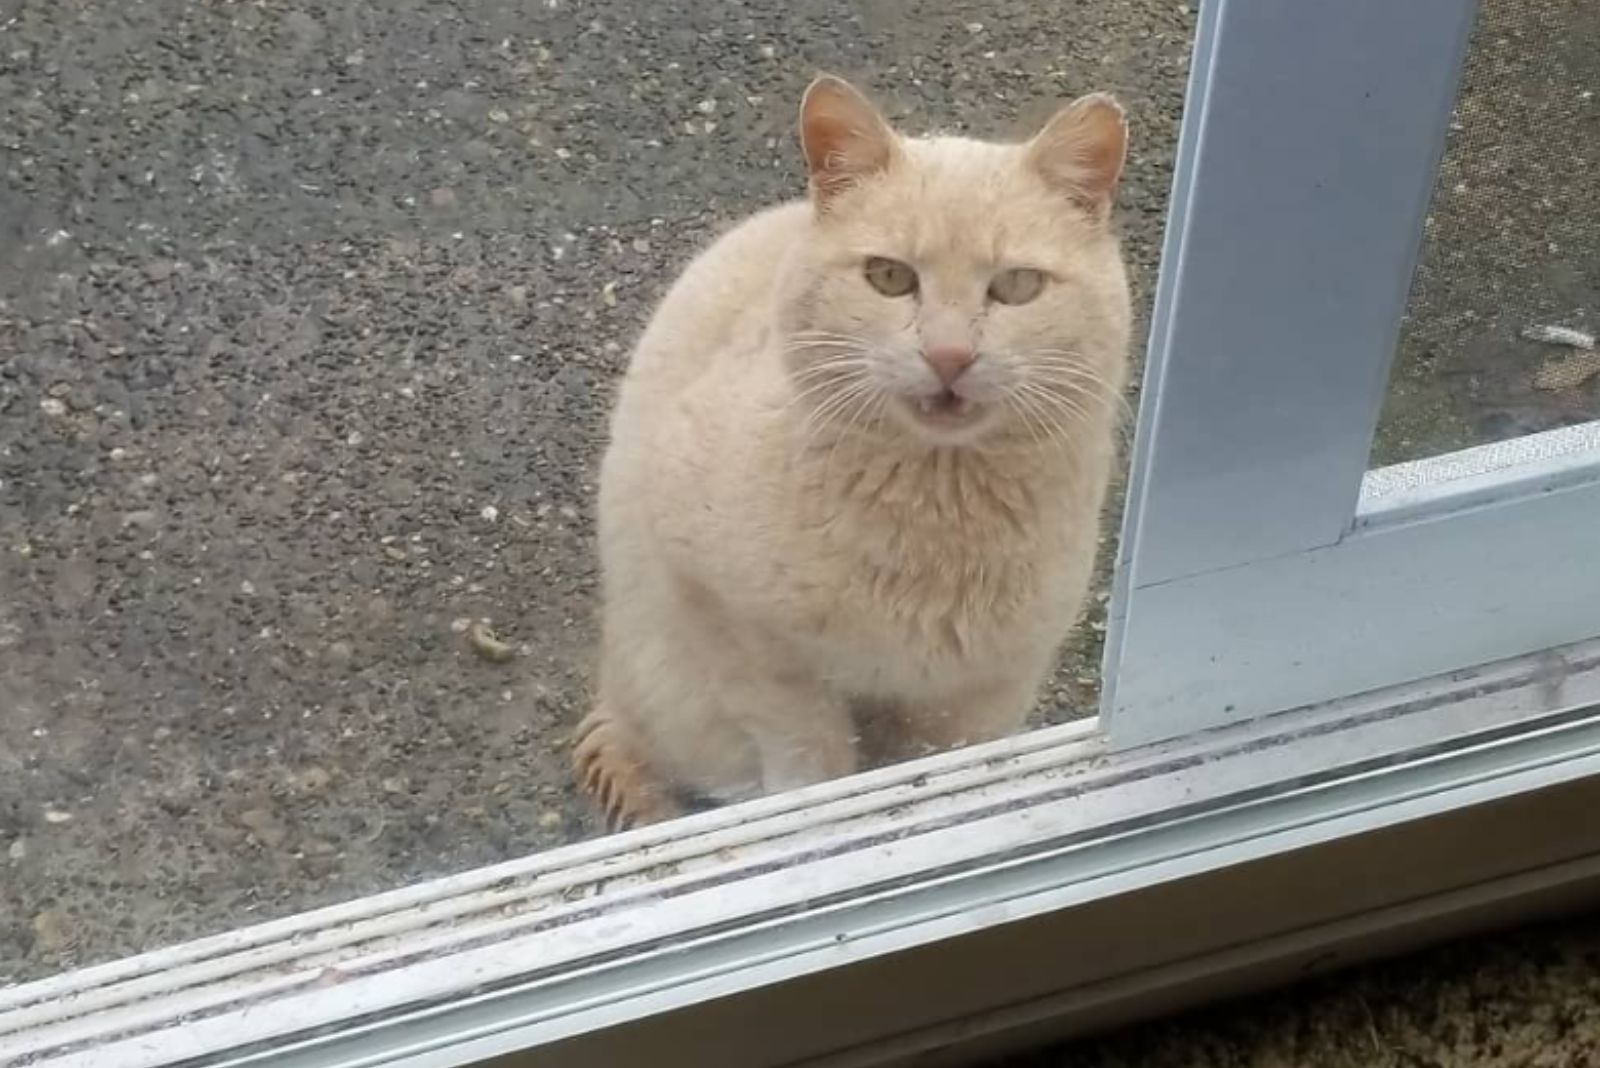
[1081, 151]
[844, 137]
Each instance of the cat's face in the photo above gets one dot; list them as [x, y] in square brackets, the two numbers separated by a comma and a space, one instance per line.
[957, 291]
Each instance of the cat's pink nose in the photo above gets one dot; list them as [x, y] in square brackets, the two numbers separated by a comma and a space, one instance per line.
[949, 362]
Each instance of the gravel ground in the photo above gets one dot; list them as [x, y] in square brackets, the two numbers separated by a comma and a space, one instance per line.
[1513, 241]
[309, 318]
[311, 315]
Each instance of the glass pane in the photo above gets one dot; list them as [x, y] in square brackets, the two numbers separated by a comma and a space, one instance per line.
[311, 319]
[1500, 327]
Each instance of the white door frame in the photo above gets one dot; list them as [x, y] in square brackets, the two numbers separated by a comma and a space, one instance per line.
[1262, 567]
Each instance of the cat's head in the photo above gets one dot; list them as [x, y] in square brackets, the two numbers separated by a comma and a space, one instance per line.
[955, 291]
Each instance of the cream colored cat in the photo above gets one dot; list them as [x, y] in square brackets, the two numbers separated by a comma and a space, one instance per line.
[853, 491]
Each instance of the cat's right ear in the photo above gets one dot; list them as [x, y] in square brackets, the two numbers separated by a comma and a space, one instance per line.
[1082, 149]
[844, 137]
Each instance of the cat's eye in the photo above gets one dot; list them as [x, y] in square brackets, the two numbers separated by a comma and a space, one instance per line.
[1016, 286]
[891, 277]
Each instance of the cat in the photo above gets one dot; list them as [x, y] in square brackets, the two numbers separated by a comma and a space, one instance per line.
[852, 495]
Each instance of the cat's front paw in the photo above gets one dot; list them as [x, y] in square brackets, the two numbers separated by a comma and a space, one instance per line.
[606, 759]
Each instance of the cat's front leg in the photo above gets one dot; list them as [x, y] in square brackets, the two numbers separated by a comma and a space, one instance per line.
[802, 732]
[687, 710]
[904, 729]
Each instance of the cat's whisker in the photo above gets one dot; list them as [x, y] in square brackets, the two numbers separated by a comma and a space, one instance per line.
[821, 389]
[843, 342]
[823, 367]
[1067, 388]
[1062, 416]
[828, 334]
[825, 431]
[1055, 430]
[1087, 388]
[824, 413]
[1072, 374]
[834, 373]
[808, 394]
[1024, 409]
[873, 399]
[1069, 369]
[1060, 432]
[1087, 403]
[832, 349]
[1015, 402]
[853, 418]
[1060, 357]
[1074, 357]
[817, 383]
[835, 358]
[1080, 415]
[831, 409]
[825, 334]
[1122, 411]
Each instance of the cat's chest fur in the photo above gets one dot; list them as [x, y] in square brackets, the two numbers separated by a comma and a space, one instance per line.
[934, 561]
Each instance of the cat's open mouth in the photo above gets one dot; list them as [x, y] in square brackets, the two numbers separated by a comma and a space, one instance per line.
[944, 409]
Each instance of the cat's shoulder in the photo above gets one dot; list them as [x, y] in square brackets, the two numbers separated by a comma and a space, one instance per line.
[776, 225]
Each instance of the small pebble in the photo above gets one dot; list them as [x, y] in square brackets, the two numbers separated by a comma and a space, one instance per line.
[1560, 335]
[315, 779]
[1570, 372]
[267, 828]
[53, 929]
[487, 645]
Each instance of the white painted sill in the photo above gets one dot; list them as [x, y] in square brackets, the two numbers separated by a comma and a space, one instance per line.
[593, 953]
